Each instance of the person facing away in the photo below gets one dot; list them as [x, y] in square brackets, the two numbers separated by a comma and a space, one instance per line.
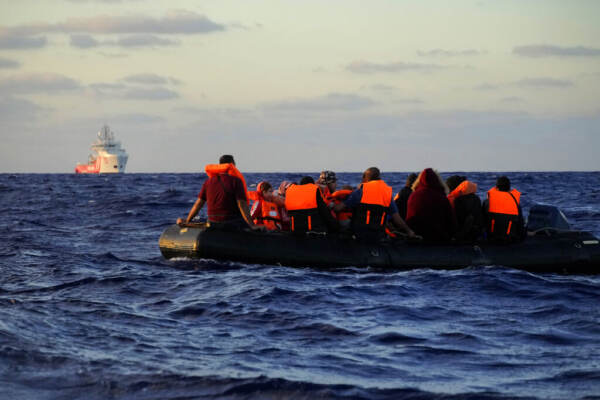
[372, 207]
[266, 207]
[402, 196]
[307, 209]
[225, 196]
[429, 212]
[502, 213]
[467, 208]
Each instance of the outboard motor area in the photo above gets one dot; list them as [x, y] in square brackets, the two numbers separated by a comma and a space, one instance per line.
[543, 217]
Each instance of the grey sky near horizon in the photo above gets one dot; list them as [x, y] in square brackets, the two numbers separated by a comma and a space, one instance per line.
[468, 85]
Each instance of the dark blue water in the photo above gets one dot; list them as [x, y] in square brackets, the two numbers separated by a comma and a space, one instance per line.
[90, 310]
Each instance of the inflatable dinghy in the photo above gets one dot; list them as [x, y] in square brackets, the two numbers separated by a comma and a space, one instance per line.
[547, 249]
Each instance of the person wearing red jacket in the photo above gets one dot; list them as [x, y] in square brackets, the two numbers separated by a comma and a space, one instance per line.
[429, 212]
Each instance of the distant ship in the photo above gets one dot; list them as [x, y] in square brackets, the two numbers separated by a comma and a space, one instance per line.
[108, 157]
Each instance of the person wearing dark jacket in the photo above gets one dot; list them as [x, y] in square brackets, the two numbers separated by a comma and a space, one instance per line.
[467, 208]
[429, 212]
[402, 196]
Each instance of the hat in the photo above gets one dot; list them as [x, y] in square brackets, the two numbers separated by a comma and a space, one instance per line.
[327, 177]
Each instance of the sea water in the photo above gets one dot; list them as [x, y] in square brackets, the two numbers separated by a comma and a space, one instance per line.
[89, 309]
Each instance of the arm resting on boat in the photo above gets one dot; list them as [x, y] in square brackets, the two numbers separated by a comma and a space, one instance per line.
[195, 208]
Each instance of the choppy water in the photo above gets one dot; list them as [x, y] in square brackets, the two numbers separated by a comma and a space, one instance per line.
[90, 310]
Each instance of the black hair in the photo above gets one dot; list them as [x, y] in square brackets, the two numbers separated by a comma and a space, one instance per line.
[503, 184]
[412, 177]
[455, 180]
[226, 159]
[306, 179]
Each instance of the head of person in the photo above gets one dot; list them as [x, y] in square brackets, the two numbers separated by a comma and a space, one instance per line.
[453, 181]
[283, 187]
[410, 179]
[430, 178]
[306, 179]
[328, 178]
[264, 188]
[503, 184]
[371, 174]
[226, 159]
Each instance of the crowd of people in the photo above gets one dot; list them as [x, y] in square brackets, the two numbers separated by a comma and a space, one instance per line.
[426, 208]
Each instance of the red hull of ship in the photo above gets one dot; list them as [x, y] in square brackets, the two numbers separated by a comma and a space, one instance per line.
[87, 169]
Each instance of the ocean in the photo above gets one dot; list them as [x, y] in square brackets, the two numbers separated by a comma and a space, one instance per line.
[89, 309]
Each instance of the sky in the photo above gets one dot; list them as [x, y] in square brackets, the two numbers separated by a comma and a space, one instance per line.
[290, 85]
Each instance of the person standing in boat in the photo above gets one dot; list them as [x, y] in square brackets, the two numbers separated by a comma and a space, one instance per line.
[307, 209]
[372, 207]
[225, 194]
[502, 212]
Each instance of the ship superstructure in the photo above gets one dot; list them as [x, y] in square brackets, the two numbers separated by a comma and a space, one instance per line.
[107, 157]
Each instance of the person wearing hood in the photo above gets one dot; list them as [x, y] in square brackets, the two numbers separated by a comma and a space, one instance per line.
[467, 208]
[429, 212]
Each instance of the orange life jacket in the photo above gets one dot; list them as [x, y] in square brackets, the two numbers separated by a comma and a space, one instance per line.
[503, 217]
[373, 207]
[338, 197]
[229, 169]
[266, 213]
[464, 188]
[301, 204]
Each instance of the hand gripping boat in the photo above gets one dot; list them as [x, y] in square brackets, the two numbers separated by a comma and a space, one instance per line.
[548, 248]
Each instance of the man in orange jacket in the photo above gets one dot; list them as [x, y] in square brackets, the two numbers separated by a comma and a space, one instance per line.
[503, 214]
[373, 207]
[224, 193]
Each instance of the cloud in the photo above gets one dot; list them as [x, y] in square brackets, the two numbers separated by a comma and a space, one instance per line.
[145, 40]
[6, 63]
[175, 22]
[365, 67]
[486, 86]
[150, 79]
[17, 110]
[511, 100]
[16, 42]
[543, 83]
[150, 94]
[451, 53]
[327, 103]
[83, 41]
[548, 50]
[38, 83]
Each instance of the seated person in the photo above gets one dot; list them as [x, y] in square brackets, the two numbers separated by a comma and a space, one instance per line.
[401, 198]
[502, 213]
[372, 207]
[429, 212]
[266, 206]
[328, 182]
[224, 192]
[307, 209]
[344, 217]
[467, 208]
